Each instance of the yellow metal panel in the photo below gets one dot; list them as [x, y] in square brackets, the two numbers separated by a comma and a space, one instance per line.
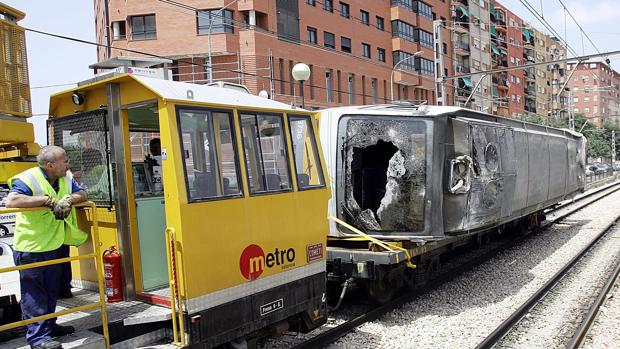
[10, 169]
[16, 132]
[86, 269]
[14, 80]
[213, 235]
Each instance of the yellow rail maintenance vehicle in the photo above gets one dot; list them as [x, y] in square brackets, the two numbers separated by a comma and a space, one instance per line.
[216, 200]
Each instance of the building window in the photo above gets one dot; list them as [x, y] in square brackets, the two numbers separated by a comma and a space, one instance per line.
[328, 5]
[345, 44]
[366, 50]
[119, 31]
[410, 33]
[425, 66]
[344, 10]
[211, 164]
[308, 168]
[143, 27]
[328, 85]
[311, 2]
[373, 91]
[351, 87]
[364, 17]
[380, 23]
[381, 54]
[586, 110]
[418, 7]
[221, 23]
[407, 63]
[265, 153]
[312, 35]
[329, 40]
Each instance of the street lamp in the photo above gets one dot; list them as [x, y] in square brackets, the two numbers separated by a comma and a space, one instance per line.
[301, 73]
[394, 68]
[211, 15]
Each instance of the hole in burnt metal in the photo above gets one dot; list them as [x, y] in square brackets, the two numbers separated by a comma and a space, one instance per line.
[369, 173]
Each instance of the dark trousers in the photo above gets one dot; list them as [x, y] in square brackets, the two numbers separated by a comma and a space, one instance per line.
[65, 275]
[39, 292]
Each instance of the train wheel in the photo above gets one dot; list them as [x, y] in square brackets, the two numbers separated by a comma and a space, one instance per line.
[380, 291]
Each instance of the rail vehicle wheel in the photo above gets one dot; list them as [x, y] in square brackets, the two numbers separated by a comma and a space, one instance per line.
[381, 291]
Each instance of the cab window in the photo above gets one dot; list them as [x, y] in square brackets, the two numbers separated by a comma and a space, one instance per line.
[265, 153]
[208, 145]
[305, 153]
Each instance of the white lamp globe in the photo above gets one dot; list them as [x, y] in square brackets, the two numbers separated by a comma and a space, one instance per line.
[301, 72]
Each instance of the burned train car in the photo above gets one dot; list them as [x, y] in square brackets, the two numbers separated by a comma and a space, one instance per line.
[427, 177]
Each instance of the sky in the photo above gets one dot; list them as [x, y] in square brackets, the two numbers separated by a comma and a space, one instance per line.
[55, 61]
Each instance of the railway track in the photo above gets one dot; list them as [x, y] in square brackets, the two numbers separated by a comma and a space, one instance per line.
[555, 215]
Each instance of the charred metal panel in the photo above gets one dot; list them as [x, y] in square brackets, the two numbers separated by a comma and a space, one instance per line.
[538, 149]
[509, 164]
[558, 167]
[572, 180]
[457, 144]
[382, 184]
[487, 189]
[522, 169]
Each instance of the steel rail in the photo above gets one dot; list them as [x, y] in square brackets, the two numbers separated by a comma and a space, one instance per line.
[584, 327]
[508, 324]
[333, 334]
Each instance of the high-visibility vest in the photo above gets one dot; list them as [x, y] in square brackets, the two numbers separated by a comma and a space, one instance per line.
[40, 231]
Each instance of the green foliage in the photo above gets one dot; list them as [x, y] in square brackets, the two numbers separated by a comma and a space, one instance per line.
[599, 139]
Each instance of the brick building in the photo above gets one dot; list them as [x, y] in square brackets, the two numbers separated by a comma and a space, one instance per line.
[595, 91]
[350, 46]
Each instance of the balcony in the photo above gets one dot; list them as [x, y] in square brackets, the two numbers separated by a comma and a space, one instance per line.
[460, 68]
[530, 108]
[461, 48]
[529, 74]
[499, 63]
[500, 18]
[529, 92]
[460, 2]
[501, 41]
[501, 82]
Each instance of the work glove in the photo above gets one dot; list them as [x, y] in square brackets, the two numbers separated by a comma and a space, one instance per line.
[50, 202]
[63, 207]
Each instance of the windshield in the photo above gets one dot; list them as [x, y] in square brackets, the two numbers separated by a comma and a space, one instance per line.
[383, 164]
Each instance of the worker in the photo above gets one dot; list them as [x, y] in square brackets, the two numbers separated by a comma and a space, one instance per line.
[40, 235]
[154, 163]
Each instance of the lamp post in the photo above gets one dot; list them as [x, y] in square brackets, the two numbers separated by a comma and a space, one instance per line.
[301, 73]
[394, 68]
[211, 15]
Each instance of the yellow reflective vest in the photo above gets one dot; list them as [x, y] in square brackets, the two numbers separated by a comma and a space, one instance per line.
[40, 231]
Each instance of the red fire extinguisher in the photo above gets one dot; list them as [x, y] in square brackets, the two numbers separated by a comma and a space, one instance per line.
[112, 274]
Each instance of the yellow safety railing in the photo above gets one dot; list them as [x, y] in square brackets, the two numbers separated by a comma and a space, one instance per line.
[178, 325]
[98, 261]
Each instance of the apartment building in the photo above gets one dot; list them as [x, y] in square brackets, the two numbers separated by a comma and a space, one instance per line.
[471, 35]
[595, 91]
[350, 46]
[559, 99]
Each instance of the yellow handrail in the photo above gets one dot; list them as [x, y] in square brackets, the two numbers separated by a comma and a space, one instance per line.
[98, 261]
[178, 334]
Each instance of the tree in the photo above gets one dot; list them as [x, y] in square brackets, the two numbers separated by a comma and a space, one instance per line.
[599, 139]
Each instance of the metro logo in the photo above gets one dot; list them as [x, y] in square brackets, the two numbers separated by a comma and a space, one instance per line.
[253, 260]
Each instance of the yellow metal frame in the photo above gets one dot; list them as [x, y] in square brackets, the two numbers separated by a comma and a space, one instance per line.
[99, 262]
[175, 297]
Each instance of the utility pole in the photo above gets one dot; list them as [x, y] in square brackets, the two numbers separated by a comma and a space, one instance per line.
[440, 76]
[571, 115]
[613, 148]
